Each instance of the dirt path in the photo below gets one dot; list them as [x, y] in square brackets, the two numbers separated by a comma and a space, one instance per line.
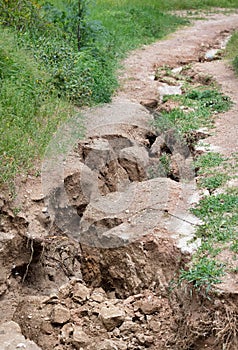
[112, 289]
[187, 45]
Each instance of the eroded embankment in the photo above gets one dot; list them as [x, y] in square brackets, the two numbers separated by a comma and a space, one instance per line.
[89, 262]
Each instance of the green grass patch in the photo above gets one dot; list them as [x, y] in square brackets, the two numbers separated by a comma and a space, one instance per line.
[173, 4]
[30, 108]
[196, 109]
[232, 51]
[203, 274]
[210, 168]
[207, 161]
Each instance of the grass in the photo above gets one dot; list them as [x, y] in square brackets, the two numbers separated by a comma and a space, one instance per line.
[203, 273]
[196, 109]
[232, 51]
[29, 114]
[172, 4]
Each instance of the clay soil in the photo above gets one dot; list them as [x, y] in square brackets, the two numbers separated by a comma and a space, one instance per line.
[113, 289]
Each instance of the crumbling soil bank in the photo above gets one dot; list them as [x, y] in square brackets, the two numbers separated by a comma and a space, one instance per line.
[91, 260]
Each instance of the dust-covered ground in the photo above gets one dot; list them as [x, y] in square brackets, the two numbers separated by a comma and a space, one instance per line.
[91, 249]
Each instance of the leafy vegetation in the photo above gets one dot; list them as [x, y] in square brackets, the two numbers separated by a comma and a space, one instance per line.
[173, 4]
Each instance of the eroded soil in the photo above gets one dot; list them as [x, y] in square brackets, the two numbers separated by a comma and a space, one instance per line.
[88, 259]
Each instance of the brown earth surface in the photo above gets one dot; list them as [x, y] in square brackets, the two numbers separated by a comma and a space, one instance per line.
[88, 256]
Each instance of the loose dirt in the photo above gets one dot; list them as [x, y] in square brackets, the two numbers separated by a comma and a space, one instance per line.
[88, 259]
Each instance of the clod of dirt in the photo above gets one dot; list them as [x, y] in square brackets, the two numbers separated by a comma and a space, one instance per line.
[150, 103]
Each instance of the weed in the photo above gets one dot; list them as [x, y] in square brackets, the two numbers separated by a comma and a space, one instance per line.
[213, 182]
[207, 161]
[212, 99]
[204, 273]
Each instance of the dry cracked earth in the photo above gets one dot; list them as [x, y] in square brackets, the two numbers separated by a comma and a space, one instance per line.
[89, 250]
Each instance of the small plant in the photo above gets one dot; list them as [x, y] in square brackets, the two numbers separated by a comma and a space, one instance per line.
[204, 273]
[213, 182]
[207, 161]
[211, 98]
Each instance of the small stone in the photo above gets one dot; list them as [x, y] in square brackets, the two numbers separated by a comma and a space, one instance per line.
[64, 290]
[111, 316]
[67, 332]
[79, 338]
[47, 328]
[150, 306]
[211, 54]
[156, 148]
[166, 89]
[60, 315]
[177, 70]
[80, 292]
[108, 344]
[145, 339]
[98, 295]
[44, 210]
[129, 327]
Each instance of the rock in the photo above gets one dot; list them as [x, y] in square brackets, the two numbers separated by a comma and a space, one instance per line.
[80, 186]
[150, 103]
[80, 292]
[60, 315]
[108, 344]
[177, 70]
[98, 295]
[65, 290]
[134, 160]
[11, 338]
[155, 150]
[66, 332]
[129, 327]
[105, 222]
[150, 305]
[79, 338]
[111, 316]
[166, 89]
[211, 55]
[146, 340]
[102, 159]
